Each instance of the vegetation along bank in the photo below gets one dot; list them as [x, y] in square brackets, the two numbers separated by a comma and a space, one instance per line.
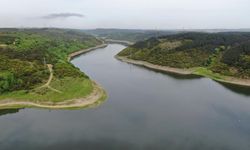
[224, 57]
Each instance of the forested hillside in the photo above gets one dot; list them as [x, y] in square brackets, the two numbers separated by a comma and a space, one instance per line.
[224, 53]
[25, 54]
[131, 35]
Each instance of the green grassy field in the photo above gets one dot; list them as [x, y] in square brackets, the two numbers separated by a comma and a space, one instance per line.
[71, 88]
[201, 71]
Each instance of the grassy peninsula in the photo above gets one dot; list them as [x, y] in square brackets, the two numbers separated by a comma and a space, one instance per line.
[35, 71]
[224, 57]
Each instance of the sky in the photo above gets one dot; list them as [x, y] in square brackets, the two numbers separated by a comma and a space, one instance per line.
[129, 14]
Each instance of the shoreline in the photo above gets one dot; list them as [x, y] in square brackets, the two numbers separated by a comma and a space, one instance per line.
[227, 79]
[94, 98]
[126, 43]
[80, 52]
[155, 67]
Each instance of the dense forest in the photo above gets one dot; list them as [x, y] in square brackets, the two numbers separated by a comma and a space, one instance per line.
[25, 53]
[224, 53]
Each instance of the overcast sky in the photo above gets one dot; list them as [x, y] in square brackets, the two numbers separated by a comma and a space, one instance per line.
[136, 14]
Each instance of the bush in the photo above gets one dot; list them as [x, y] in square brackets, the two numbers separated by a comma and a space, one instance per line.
[7, 81]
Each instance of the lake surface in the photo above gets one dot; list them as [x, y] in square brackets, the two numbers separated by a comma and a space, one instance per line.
[146, 110]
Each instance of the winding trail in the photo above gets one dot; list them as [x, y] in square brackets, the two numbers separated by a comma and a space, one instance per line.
[47, 84]
[50, 67]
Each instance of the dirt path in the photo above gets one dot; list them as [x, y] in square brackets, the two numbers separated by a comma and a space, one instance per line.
[50, 67]
[47, 84]
[97, 94]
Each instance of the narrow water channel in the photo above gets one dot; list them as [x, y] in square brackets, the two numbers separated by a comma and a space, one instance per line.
[146, 110]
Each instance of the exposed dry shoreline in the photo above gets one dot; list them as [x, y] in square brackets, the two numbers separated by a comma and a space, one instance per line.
[77, 53]
[228, 80]
[98, 94]
[155, 67]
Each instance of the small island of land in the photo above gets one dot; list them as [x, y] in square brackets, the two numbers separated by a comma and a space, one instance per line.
[224, 57]
[35, 70]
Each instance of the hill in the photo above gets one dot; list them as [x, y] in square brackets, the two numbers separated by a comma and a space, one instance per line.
[34, 65]
[227, 54]
[131, 35]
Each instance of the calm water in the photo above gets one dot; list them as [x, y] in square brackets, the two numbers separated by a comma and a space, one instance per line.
[145, 110]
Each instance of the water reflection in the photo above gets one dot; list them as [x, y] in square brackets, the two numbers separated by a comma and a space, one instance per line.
[172, 74]
[243, 90]
[237, 89]
[8, 111]
[234, 88]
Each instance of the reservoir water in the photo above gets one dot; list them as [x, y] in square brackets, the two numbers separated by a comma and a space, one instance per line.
[146, 110]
